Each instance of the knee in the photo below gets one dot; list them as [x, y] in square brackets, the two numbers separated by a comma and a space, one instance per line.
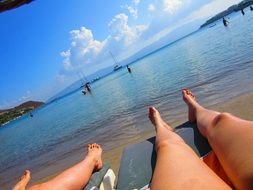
[222, 118]
[174, 139]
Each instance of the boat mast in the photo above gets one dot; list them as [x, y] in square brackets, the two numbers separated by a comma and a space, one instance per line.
[113, 58]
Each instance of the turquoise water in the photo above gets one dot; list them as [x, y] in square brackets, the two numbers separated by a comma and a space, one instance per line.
[216, 63]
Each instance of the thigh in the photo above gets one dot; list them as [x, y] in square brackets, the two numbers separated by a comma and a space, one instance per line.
[231, 139]
[214, 164]
[178, 167]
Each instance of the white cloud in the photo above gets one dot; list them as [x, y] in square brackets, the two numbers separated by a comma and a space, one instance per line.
[83, 41]
[172, 5]
[133, 11]
[85, 50]
[121, 31]
[136, 2]
[133, 8]
[66, 61]
[151, 7]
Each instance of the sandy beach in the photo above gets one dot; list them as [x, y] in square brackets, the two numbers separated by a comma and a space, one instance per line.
[241, 106]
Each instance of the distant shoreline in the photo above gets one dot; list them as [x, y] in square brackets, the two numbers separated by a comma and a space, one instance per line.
[234, 8]
[8, 115]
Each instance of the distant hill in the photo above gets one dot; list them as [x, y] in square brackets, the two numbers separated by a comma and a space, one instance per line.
[12, 113]
[233, 8]
[33, 104]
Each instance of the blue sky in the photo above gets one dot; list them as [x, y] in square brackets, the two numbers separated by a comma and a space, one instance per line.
[46, 44]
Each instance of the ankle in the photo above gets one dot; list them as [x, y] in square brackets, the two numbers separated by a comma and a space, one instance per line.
[91, 159]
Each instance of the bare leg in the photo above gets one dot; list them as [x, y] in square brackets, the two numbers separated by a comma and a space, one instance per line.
[76, 177]
[24, 180]
[177, 166]
[231, 139]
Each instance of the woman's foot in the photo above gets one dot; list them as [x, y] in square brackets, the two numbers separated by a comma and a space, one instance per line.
[95, 154]
[156, 119]
[24, 180]
[192, 104]
[163, 130]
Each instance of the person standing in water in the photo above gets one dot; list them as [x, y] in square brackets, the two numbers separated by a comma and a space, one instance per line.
[251, 8]
[225, 22]
[129, 69]
[87, 86]
[242, 11]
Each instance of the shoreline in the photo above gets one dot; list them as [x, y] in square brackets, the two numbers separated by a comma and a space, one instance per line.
[240, 106]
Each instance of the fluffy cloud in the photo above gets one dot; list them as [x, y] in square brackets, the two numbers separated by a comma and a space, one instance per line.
[136, 2]
[122, 34]
[151, 7]
[133, 11]
[85, 50]
[172, 5]
[66, 59]
[121, 31]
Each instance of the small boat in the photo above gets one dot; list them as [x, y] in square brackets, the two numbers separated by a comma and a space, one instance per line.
[211, 26]
[117, 66]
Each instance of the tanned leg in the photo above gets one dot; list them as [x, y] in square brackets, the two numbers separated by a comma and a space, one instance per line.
[177, 166]
[76, 177]
[231, 139]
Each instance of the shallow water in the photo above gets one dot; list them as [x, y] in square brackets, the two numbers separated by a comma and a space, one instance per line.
[216, 63]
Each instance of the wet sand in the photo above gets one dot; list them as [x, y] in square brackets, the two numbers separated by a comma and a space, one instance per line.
[241, 106]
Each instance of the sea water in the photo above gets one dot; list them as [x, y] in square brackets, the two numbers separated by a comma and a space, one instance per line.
[215, 63]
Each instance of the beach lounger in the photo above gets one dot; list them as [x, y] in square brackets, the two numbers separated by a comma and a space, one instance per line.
[102, 180]
[138, 161]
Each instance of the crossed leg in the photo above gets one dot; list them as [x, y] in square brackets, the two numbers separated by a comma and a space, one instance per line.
[74, 178]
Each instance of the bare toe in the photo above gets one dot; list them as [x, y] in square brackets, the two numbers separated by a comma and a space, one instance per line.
[154, 116]
[156, 119]
[188, 96]
[190, 100]
[95, 153]
[24, 180]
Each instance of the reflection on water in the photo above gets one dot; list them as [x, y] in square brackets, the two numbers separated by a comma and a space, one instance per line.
[216, 63]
